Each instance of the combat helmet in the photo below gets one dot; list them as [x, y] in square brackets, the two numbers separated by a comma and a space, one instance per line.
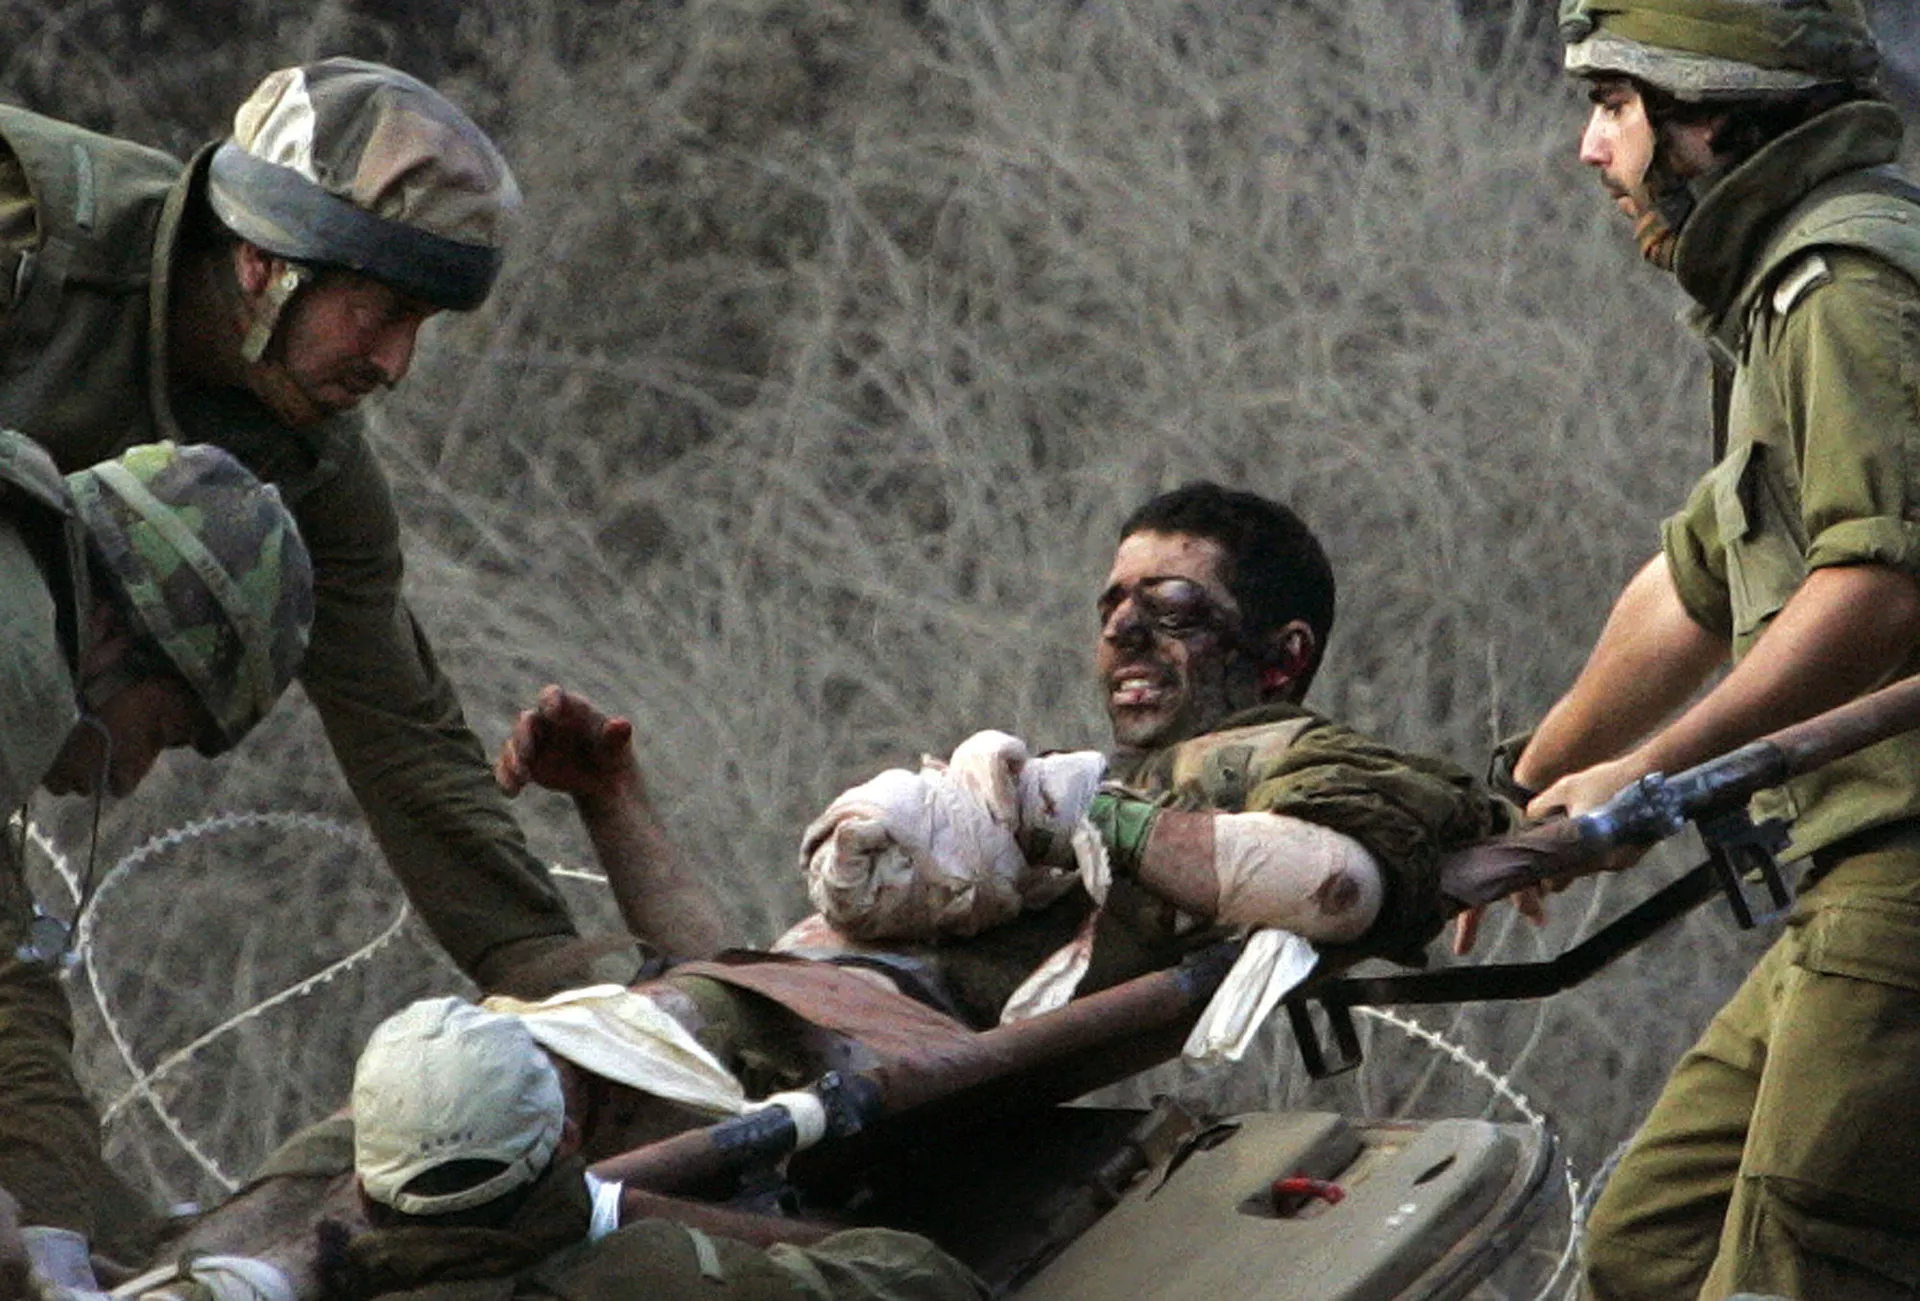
[1704, 50]
[345, 163]
[207, 567]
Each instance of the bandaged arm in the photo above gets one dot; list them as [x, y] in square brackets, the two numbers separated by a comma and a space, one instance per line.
[1245, 869]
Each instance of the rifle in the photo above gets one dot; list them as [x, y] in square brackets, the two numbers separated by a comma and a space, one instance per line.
[1105, 1037]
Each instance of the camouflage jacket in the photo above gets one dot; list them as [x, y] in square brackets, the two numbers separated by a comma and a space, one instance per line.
[1804, 261]
[90, 230]
[1405, 809]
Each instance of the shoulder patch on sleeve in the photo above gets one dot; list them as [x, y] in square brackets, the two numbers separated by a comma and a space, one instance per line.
[1811, 272]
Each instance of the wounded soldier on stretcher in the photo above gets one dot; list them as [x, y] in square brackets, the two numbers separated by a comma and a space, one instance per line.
[998, 883]
[992, 886]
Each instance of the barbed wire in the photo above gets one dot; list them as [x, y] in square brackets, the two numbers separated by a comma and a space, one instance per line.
[143, 1079]
[1504, 1088]
[141, 1088]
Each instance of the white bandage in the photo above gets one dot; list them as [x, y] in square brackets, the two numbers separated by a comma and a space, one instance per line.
[1272, 872]
[921, 855]
[1272, 965]
[625, 1036]
[1279, 871]
[605, 1194]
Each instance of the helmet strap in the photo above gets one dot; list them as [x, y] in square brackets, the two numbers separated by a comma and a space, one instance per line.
[266, 316]
[266, 376]
[50, 942]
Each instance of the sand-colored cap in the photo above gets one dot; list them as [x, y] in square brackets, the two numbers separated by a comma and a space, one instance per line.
[357, 165]
[443, 1080]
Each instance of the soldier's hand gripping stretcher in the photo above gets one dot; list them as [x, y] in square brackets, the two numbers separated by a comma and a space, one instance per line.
[1712, 796]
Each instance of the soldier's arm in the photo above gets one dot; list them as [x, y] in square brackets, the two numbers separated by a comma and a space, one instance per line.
[406, 750]
[1845, 630]
[1650, 657]
[1838, 364]
[1259, 869]
[565, 744]
[1343, 831]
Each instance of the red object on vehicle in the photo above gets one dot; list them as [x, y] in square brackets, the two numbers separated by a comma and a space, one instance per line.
[1292, 1193]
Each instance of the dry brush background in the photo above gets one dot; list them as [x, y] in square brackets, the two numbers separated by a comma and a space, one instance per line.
[839, 336]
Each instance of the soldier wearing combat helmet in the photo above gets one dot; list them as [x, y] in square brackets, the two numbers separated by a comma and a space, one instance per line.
[1745, 140]
[253, 299]
[160, 599]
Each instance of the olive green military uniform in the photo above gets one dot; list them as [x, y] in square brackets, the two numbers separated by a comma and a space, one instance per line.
[1405, 810]
[90, 232]
[1784, 1155]
[543, 1251]
[49, 1133]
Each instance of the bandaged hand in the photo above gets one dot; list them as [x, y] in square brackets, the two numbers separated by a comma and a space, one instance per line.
[938, 852]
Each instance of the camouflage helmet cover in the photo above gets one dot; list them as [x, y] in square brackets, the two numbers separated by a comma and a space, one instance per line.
[1722, 49]
[353, 164]
[207, 565]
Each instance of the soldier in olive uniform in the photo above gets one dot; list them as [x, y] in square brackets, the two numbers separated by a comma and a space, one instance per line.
[1744, 139]
[252, 299]
[159, 599]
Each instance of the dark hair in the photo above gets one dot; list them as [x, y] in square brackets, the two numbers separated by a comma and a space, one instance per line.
[1751, 124]
[1276, 568]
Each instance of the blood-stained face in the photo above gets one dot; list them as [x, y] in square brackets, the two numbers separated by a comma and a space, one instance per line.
[1170, 659]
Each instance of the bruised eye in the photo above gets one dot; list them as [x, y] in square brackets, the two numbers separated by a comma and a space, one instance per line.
[1176, 607]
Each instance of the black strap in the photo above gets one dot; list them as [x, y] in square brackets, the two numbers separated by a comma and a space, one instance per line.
[1515, 980]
